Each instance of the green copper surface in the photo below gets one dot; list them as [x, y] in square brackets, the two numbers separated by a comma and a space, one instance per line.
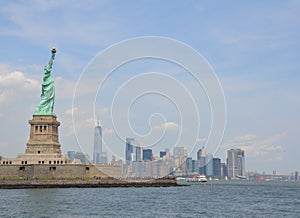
[46, 104]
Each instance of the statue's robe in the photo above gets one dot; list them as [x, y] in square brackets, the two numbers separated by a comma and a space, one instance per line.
[46, 104]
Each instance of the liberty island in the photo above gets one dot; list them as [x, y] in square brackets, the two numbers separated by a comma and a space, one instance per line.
[43, 158]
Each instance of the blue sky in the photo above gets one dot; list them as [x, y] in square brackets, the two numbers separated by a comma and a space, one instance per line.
[252, 46]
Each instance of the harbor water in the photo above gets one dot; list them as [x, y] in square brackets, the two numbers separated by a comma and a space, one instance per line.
[211, 199]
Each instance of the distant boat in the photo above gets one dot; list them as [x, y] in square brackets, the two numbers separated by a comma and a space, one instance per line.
[180, 178]
[241, 177]
[199, 178]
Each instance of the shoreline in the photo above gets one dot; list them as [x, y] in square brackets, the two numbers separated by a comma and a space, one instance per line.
[103, 183]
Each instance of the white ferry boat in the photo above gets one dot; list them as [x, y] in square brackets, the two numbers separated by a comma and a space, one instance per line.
[199, 178]
[180, 178]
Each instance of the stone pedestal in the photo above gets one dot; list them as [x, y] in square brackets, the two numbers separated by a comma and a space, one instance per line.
[43, 136]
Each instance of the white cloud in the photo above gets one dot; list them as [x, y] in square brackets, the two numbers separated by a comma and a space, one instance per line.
[18, 80]
[276, 158]
[85, 123]
[108, 131]
[243, 138]
[167, 126]
[74, 111]
[201, 140]
[255, 147]
[64, 88]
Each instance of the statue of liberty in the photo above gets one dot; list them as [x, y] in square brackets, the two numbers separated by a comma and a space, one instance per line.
[46, 104]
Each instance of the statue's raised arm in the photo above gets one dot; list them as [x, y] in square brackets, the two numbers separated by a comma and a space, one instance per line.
[53, 51]
[46, 104]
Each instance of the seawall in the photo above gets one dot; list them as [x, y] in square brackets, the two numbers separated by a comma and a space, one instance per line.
[103, 183]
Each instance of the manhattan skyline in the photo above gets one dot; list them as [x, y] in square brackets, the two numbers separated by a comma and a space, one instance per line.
[252, 47]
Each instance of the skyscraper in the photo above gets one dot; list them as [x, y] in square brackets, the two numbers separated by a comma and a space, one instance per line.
[201, 153]
[209, 165]
[202, 160]
[180, 155]
[235, 163]
[97, 144]
[71, 155]
[224, 171]
[103, 158]
[139, 153]
[84, 158]
[189, 165]
[217, 166]
[162, 154]
[147, 154]
[129, 150]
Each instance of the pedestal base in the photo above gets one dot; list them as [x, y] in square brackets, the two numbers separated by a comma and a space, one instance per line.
[43, 136]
